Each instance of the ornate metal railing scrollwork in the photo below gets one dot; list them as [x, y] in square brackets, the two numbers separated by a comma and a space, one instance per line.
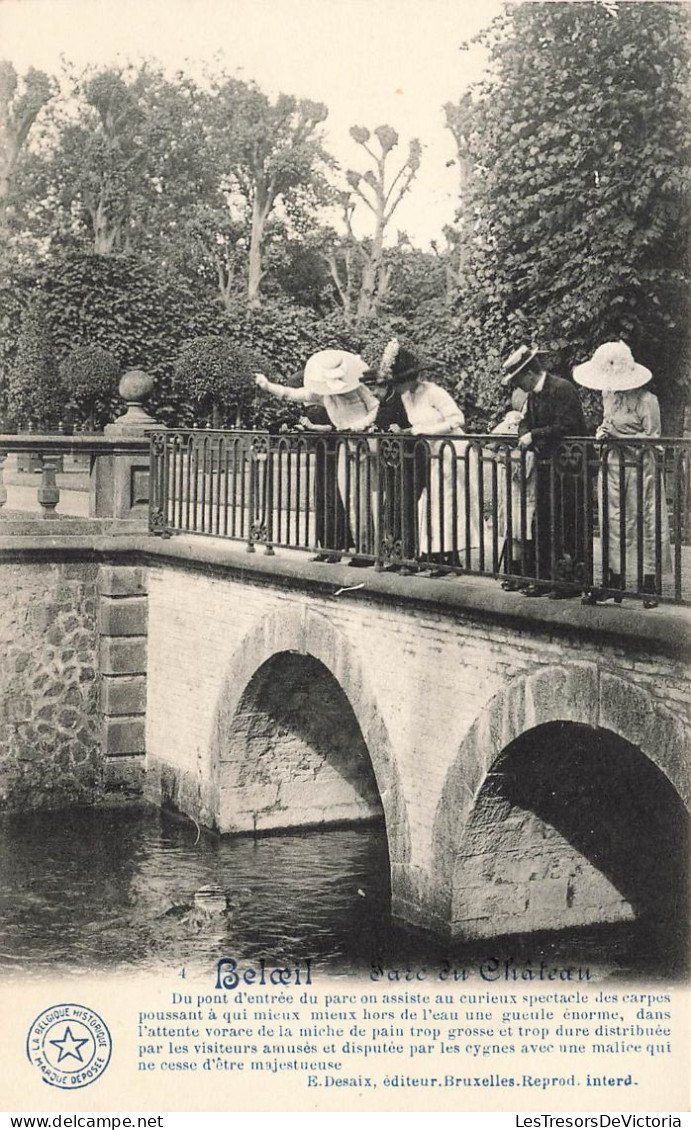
[449, 504]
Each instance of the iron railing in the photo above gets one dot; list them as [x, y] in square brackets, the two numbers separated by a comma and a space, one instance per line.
[604, 518]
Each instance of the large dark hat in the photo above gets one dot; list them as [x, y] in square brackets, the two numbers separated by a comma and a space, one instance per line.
[399, 363]
[518, 361]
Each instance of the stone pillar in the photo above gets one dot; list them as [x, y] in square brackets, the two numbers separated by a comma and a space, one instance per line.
[123, 629]
[120, 481]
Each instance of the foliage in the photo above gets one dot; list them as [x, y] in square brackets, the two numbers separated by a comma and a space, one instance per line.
[265, 154]
[218, 377]
[34, 393]
[283, 335]
[89, 376]
[296, 268]
[20, 105]
[578, 205]
[146, 214]
[416, 282]
[127, 308]
[16, 290]
[121, 161]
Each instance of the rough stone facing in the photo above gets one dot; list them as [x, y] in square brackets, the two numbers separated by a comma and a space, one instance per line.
[49, 710]
[72, 697]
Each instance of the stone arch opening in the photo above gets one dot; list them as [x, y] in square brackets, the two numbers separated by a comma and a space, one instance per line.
[573, 825]
[301, 634]
[294, 755]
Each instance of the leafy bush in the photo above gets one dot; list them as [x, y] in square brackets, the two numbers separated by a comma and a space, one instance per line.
[217, 377]
[127, 308]
[34, 392]
[89, 376]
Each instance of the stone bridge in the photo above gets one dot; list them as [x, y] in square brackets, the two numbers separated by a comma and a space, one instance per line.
[529, 760]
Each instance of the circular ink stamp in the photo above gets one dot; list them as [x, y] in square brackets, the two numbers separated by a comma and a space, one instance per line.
[70, 1045]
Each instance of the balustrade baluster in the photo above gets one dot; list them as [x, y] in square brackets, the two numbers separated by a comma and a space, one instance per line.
[48, 493]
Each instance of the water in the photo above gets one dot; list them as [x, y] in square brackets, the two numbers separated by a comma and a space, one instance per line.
[83, 890]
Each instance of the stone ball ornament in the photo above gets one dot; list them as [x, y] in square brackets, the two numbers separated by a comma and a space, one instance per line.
[135, 387]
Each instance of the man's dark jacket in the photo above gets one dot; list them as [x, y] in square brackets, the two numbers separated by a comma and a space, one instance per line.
[550, 415]
[553, 413]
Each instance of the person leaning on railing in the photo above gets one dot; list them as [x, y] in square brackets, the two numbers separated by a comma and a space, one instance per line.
[552, 412]
[331, 523]
[402, 476]
[630, 411]
[332, 379]
[433, 412]
[518, 551]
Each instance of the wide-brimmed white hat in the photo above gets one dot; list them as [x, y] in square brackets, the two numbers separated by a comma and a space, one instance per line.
[333, 371]
[612, 369]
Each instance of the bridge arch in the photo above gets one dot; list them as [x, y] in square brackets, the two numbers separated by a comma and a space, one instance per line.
[305, 642]
[597, 715]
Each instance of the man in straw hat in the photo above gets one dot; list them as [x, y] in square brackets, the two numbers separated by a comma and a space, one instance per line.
[630, 410]
[552, 412]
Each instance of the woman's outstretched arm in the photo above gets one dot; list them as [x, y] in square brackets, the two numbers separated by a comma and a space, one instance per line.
[282, 392]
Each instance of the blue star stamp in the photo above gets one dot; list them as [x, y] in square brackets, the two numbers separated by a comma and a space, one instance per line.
[70, 1045]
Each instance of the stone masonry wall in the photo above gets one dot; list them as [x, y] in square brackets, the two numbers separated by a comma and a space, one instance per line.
[574, 821]
[251, 683]
[295, 756]
[122, 664]
[437, 696]
[49, 711]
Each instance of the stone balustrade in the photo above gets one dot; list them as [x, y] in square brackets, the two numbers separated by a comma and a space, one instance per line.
[115, 464]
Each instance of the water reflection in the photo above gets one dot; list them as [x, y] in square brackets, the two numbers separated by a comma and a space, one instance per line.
[84, 889]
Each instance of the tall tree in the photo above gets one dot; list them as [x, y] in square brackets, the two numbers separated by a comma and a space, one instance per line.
[457, 235]
[268, 156]
[359, 265]
[579, 145]
[20, 105]
[121, 164]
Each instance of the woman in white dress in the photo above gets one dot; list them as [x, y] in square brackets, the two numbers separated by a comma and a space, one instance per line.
[444, 513]
[630, 410]
[332, 379]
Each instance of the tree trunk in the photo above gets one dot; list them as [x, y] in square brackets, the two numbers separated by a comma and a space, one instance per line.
[370, 275]
[105, 235]
[259, 213]
[366, 301]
